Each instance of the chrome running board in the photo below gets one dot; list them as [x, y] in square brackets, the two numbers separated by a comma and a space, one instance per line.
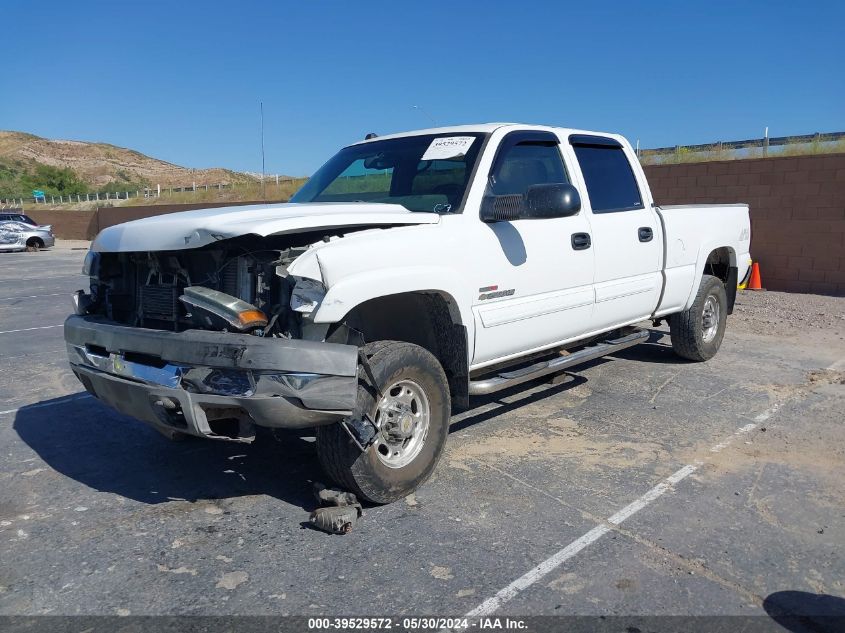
[507, 379]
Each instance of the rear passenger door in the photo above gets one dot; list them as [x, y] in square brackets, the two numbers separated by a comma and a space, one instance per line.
[626, 233]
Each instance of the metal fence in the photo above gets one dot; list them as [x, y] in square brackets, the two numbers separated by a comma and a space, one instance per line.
[818, 140]
[142, 194]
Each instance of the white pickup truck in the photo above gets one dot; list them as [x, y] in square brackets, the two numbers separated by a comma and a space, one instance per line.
[411, 272]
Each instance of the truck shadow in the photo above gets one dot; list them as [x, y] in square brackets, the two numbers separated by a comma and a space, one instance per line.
[803, 612]
[657, 349]
[104, 450]
[109, 452]
[483, 408]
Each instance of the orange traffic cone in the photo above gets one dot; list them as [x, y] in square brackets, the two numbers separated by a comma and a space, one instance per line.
[755, 283]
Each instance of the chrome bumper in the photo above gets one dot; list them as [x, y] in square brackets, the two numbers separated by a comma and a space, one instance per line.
[199, 382]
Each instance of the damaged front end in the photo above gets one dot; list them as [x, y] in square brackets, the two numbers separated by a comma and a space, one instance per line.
[210, 341]
[206, 288]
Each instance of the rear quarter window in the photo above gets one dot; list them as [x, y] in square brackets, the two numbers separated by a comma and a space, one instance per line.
[610, 181]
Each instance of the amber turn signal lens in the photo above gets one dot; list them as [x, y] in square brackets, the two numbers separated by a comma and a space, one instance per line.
[252, 318]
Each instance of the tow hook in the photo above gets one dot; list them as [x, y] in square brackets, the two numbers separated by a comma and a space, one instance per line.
[363, 432]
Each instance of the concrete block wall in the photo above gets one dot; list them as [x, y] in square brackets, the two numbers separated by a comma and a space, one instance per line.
[67, 225]
[797, 212]
[84, 225]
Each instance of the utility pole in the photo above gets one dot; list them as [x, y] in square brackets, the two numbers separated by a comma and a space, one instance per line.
[263, 196]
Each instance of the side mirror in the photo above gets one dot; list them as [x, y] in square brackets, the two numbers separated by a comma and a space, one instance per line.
[550, 201]
[557, 200]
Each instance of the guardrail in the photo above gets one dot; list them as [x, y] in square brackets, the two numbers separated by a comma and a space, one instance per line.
[763, 143]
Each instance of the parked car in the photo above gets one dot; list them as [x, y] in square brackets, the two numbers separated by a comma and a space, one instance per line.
[20, 217]
[16, 235]
[409, 273]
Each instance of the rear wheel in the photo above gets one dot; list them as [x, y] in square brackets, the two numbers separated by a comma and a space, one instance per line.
[34, 244]
[697, 333]
[412, 413]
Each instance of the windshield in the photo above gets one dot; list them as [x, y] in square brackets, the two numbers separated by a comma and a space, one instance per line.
[430, 172]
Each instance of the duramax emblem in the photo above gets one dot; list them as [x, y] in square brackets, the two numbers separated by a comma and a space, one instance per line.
[493, 292]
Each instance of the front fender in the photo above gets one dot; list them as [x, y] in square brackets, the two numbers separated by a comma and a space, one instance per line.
[353, 290]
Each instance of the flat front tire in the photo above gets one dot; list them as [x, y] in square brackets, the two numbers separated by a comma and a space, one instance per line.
[697, 333]
[412, 413]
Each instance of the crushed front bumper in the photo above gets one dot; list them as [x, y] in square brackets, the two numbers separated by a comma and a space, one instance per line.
[212, 384]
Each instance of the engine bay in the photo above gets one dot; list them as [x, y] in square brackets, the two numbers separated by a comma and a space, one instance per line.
[147, 289]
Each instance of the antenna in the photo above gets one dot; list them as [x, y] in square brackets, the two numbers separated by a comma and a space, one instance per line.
[263, 196]
[430, 118]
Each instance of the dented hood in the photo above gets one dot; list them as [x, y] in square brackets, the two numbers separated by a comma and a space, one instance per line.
[192, 229]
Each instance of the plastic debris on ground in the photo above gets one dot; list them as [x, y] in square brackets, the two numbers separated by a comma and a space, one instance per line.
[338, 511]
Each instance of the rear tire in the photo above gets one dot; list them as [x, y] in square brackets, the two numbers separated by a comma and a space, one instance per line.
[415, 407]
[34, 245]
[697, 333]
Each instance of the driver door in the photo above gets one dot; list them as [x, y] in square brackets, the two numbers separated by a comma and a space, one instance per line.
[535, 276]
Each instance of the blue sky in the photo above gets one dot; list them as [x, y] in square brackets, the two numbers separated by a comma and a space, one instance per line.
[182, 80]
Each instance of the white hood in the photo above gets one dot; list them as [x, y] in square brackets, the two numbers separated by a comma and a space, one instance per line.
[192, 229]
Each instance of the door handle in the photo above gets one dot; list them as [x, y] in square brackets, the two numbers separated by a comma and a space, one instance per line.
[645, 233]
[581, 241]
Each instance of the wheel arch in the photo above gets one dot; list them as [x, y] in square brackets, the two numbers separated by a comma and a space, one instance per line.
[428, 318]
[719, 260]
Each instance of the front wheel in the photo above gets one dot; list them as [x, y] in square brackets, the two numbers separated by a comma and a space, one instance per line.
[412, 413]
[697, 333]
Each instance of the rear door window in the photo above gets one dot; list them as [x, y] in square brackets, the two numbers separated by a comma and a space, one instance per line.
[611, 184]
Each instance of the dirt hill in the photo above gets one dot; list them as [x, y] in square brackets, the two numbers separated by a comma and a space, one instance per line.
[99, 164]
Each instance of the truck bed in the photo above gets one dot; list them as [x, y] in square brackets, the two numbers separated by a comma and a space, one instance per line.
[685, 253]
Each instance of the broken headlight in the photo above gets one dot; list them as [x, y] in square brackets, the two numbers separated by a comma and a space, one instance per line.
[217, 310]
[306, 295]
[91, 264]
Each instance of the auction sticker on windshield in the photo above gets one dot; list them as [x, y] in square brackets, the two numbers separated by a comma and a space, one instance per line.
[448, 147]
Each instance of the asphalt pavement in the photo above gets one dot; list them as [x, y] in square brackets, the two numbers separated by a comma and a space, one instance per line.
[637, 484]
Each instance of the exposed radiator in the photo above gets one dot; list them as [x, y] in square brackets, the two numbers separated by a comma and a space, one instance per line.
[236, 279]
[159, 302]
[229, 278]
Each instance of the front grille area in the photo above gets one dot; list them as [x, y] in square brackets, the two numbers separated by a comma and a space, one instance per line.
[143, 289]
[159, 303]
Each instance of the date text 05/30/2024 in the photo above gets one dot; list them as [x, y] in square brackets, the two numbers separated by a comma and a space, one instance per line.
[416, 624]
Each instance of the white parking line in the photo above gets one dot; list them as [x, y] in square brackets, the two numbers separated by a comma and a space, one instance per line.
[492, 604]
[79, 396]
[29, 329]
[840, 364]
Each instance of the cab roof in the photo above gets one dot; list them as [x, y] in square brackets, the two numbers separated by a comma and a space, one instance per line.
[487, 128]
